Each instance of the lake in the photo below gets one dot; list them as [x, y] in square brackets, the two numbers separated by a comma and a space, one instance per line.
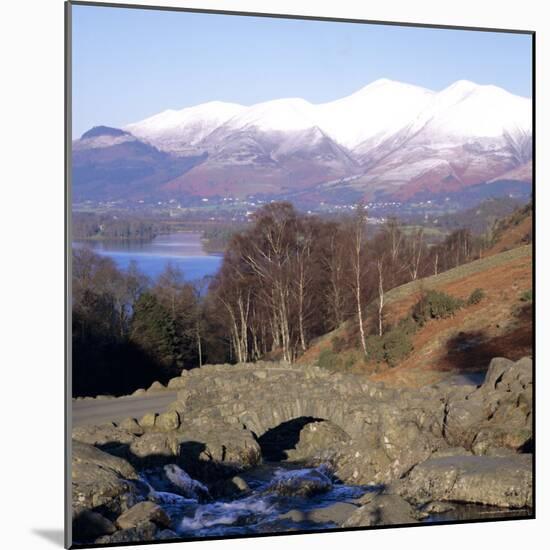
[183, 250]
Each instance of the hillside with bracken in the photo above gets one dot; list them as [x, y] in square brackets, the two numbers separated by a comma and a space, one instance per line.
[447, 326]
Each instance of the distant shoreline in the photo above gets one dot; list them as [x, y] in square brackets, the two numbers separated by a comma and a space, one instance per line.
[218, 252]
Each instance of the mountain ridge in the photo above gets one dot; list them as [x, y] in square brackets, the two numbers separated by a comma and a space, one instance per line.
[382, 93]
[389, 138]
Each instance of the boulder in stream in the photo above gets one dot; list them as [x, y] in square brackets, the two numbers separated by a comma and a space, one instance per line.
[302, 483]
[141, 512]
[504, 481]
[145, 531]
[102, 481]
[383, 510]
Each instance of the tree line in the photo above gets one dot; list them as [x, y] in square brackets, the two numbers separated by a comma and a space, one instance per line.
[285, 280]
[128, 331]
[88, 225]
[293, 277]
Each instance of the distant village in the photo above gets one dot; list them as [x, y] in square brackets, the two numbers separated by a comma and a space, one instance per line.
[229, 208]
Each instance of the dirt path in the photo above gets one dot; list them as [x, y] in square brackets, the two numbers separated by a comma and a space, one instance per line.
[99, 411]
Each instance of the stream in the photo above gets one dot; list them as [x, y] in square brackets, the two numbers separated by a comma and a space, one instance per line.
[278, 497]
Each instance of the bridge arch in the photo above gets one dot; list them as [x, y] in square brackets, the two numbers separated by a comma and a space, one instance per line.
[272, 413]
[277, 425]
[285, 399]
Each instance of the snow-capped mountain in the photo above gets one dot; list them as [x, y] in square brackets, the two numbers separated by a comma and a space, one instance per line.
[180, 131]
[369, 116]
[465, 110]
[467, 134]
[374, 113]
[387, 139]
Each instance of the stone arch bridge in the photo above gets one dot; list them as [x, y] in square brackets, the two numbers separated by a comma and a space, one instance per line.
[387, 430]
[237, 415]
[261, 396]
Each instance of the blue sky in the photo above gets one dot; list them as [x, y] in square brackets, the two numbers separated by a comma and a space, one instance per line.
[129, 64]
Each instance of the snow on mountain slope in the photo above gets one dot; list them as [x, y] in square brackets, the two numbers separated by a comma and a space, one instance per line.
[245, 159]
[467, 134]
[279, 115]
[461, 114]
[468, 110]
[179, 131]
[275, 131]
[376, 110]
[373, 113]
[363, 120]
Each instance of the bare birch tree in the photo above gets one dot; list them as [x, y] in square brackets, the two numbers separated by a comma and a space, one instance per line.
[416, 251]
[380, 270]
[358, 235]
